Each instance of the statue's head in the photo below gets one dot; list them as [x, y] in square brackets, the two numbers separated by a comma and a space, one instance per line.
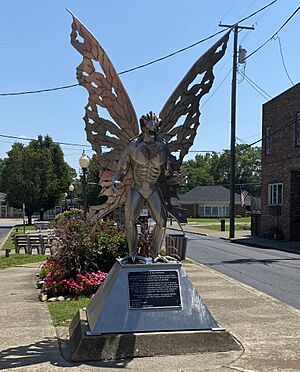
[150, 124]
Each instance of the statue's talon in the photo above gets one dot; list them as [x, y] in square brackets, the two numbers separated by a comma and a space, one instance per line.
[164, 259]
[159, 258]
[133, 258]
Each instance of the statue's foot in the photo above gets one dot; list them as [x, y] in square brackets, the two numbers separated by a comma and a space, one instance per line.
[133, 258]
[163, 259]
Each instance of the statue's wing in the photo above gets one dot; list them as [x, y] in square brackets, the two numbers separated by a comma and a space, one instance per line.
[105, 90]
[180, 115]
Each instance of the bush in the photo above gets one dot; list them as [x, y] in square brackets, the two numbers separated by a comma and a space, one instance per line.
[84, 252]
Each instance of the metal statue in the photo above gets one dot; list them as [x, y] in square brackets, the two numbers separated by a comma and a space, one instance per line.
[141, 163]
[148, 157]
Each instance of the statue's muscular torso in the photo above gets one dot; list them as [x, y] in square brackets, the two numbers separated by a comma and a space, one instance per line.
[147, 162]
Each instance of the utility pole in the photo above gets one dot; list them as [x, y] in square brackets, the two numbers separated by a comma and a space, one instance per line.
[235, 29]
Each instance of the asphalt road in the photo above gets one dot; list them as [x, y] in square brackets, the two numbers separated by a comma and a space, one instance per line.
[3, 232]
[274, 272]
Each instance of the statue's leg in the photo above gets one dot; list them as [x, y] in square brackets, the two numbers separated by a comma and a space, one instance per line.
[133, 207]
[159, 214]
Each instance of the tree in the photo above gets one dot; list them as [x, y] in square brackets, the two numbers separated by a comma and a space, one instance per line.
[214, 169]
[93, 181]
[35, 175]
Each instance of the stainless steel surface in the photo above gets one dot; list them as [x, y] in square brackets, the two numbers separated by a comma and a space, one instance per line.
[109, 310]
[178, 127]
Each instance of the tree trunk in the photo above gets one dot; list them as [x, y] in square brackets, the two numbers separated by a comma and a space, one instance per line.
[29, 217]
[42, 214]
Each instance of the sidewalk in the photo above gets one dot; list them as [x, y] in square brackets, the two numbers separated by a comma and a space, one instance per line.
[241, 237]
[267, 329]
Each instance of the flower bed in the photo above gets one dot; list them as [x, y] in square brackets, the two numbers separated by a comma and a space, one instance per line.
[84, 253]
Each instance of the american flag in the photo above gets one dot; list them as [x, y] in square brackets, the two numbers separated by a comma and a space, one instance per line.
[243, 195]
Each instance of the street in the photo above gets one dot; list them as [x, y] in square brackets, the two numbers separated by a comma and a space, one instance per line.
[3, 232]
[273, 272]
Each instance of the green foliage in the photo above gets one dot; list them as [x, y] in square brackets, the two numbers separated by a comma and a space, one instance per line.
[87, 247]
[93, 188]
[63, 312]
[69, 214]
[218, 227]
[84, 252]
[214, 169]
[36, 175]
[217, 219]
[20, 259]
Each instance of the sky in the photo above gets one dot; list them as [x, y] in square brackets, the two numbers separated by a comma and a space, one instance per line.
[36, 54]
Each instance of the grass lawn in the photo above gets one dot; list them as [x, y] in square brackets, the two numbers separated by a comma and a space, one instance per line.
[216, 220]
[62, 312]
[20, 259]
[217, 227]
[17, 230]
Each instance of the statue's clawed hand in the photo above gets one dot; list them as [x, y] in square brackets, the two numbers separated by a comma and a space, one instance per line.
[116, 185]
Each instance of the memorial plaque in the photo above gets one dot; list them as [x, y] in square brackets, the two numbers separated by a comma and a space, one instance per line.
[153, 289]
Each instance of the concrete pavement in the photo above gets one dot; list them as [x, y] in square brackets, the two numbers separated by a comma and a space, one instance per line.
[267, 329]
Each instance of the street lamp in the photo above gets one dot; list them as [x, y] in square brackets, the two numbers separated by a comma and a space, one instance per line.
[66, 195]
[71, 189]
[84, 162]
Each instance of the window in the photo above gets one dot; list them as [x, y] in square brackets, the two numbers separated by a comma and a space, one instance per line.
[297, 130]
[207, 212]
[200, 211]
[268, 141]
[215, 211]
[275, 194]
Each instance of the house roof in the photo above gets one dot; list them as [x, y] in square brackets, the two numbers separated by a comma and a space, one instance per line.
[2, 197]
[210, 194]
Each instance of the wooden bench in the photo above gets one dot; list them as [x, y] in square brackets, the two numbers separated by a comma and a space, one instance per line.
[32, 241]
[20, 242]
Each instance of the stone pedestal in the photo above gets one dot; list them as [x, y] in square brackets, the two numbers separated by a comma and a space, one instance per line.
[143, 310]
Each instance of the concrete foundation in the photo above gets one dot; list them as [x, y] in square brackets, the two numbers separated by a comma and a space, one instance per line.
[87, 347]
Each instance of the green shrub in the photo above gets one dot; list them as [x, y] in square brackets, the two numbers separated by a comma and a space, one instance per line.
[87, 247]
[84, 252]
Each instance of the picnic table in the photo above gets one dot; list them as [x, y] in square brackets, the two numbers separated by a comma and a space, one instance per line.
[42, 225]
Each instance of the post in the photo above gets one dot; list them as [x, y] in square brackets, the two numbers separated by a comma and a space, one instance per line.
[85, 199]
[232, 137]
[23, 214]
[84, 162]
[235, 28]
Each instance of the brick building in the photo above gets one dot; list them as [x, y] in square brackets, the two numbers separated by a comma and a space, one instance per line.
[280, 199]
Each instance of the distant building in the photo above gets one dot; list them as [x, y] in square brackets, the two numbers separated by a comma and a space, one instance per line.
[280, 202]
[211, 201]
[6, 211]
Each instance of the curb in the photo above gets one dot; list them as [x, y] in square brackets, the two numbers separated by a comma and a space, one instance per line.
[258, 245]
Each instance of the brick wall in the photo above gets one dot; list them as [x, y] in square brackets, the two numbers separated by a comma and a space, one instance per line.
[284, 158]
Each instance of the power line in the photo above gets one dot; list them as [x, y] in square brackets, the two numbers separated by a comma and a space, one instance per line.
[33, 139]
[282, 58]
[80, 145]
[272, 37]
[39, 91]
[259, 90]
[293, 121]
[143, 65]
[217, 88]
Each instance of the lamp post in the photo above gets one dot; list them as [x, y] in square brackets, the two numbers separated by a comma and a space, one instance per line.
[84, 162]
[66, 195]
[71, 189]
